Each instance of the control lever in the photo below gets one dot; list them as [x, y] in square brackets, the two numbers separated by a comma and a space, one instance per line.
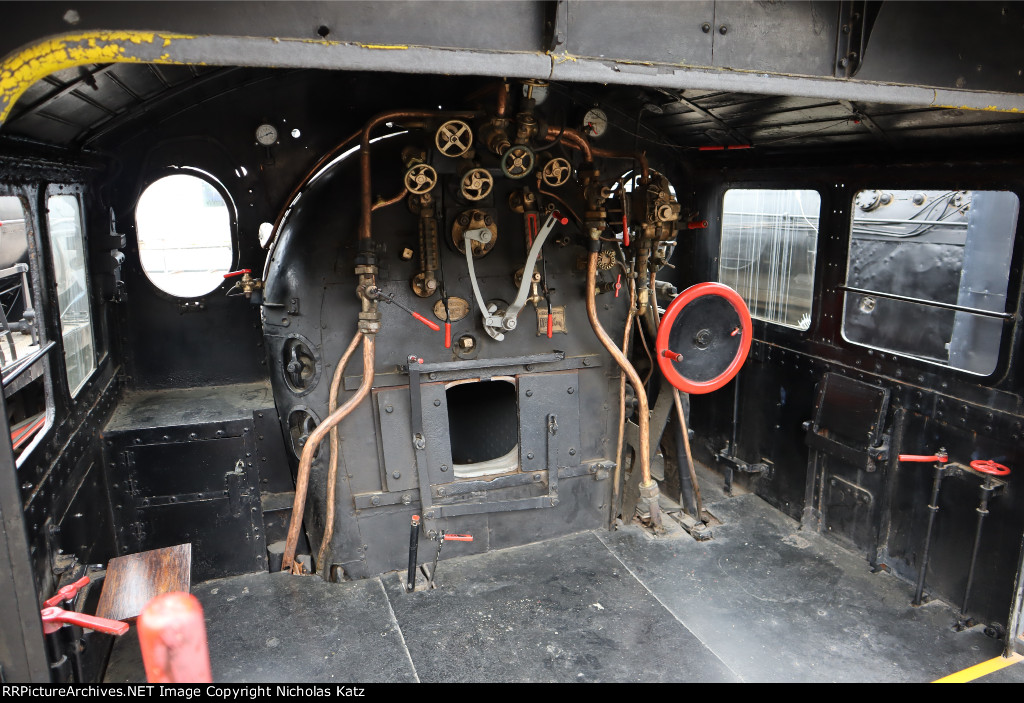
[374, 293]
[67, 593]
[442, 538]
[497, 325]
[54, 617]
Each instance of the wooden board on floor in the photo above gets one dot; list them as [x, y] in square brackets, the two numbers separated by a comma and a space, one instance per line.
[135, 579]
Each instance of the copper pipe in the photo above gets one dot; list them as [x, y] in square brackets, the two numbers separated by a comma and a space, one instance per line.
[643, 410]
[645, 169]
[502, 107]
[622, 403]
[314, 440]
[562, 202]
[366, 198]
[572, 138]
[384, 203]
[332, 473]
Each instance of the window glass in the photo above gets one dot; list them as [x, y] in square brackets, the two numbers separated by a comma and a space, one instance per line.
[921, 261]
[184, 231]
[65, 226]
[769, 243]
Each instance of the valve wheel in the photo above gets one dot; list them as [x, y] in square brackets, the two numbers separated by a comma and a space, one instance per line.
[704, 338]
[453, 138]
[518, 161]
[556, 172]
[420, 179]
[987, 466]
[476, 184]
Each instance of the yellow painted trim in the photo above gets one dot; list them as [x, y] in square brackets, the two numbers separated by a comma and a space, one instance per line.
[21, 70]
[979, 670]
[384, 46]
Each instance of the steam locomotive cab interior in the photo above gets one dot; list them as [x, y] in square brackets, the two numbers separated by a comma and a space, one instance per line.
[398, 350]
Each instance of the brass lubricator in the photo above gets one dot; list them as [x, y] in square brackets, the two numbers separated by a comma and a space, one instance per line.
[474, 219]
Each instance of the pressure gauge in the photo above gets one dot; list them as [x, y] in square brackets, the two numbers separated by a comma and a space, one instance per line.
[595, 122]
[266, 134]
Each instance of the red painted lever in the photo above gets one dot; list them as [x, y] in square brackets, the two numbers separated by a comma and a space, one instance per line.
[697, 225]
[618, 284]
[987, 466]
[940, 458]
[447, 335]
[458, 538]
[625, 234]
[239, 272]
[560, 218]
[550, 325]
[432, 325]
[669, 354]
[67, 592]
[55, 618]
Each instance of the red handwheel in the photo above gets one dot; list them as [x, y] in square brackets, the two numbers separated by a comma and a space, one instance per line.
[704, 338]
[987, 466]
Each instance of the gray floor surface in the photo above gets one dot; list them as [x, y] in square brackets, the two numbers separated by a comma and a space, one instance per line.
[762, 601]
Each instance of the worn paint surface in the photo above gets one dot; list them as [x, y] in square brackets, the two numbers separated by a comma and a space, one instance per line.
[24, 68]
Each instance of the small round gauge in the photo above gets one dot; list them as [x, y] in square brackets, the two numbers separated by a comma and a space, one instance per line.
[266, 134]
[595, 122]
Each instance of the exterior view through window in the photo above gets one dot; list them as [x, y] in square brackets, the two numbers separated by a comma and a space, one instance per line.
[64, 222]
[184, 230]
[928, 271]
[769, 243]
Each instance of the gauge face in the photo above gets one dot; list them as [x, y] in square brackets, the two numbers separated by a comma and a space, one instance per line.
[266, 134]
[595, 122]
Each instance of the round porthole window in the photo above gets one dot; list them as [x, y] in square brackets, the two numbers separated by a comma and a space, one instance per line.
[184, 230]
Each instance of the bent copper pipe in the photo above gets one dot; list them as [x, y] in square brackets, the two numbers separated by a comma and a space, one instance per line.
[314, 440]
[634, 378]
[366, 198]
[622, 406]
[332, 472]
[579, 142]
[385, 203]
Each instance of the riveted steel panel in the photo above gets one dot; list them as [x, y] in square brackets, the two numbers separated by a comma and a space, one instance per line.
[541, 395]
[396, 438]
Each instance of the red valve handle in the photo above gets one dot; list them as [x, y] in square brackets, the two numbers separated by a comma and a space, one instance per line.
[987, 466]
[432, 325]
[559, 217]
[550, 325]
[940, 458]
[669, 354]
[239, 272]
[618, 283]
[447, 335]
[625, 234]
[67, 592]
[697, 225]
[55, 618]
[458, 538]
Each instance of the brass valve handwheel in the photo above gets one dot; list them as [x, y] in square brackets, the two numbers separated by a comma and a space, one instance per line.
[420, 179]
[453, 138]
[518, 161]
[556, 172]
[476, 184]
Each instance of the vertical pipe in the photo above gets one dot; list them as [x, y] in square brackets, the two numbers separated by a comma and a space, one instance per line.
[414, 543]
[172, 636]
[986, 492]
[933, 506]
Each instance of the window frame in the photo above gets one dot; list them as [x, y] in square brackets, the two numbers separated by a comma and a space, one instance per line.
[815, 274]
[78, 192]
[1013, 283]
[229, 202]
